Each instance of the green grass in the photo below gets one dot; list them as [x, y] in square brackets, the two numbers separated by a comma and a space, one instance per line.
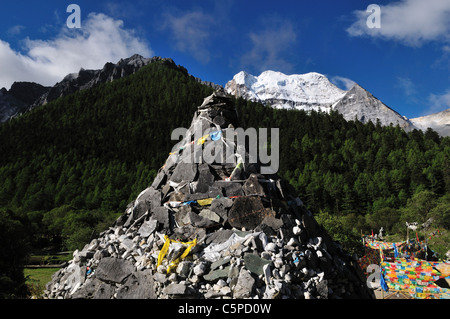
[37, 278]
[49, 259]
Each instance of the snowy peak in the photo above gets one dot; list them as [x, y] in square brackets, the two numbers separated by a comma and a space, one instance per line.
[244, 78]
[313, 91]
[310, 91]
[440, 122]
[360, 104]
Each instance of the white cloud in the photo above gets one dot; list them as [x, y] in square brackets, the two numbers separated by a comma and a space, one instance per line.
[269, 45]
[191, 32]
[101, 39]
[342, 82]
[412, 22]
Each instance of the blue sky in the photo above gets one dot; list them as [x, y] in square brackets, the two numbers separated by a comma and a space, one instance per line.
[405, 63]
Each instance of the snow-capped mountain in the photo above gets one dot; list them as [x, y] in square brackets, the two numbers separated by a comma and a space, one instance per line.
[440, 122]
[311, 91]
[360, 104]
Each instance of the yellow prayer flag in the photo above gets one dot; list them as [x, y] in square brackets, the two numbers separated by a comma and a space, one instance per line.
[202, 140]
[204, 202]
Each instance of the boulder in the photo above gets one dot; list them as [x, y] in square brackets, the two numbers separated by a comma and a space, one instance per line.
[248, 213]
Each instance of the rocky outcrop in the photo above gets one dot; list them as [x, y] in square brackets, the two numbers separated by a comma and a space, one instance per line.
[215, 229]
[86, 79]
[17, 100]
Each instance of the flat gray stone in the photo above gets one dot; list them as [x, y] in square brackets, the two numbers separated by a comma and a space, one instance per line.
[94, 289]
[217, 274]
[147, 200]
[147, 228]
[205, 179]
[255, 263]
[176, 289]
[114, 269]
[209, 214]
[139, 285]
[219, 236]
[161, 214]
[184, 172]
[232, 189]
[159, 180]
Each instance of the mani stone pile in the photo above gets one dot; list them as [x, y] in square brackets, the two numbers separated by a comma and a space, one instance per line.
[212, 230]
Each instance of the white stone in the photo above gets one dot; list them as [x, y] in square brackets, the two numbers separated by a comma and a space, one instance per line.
[278, 262]
[270, 247]
[266, 273]
[200, 269]
[293, 242]
[225, 290]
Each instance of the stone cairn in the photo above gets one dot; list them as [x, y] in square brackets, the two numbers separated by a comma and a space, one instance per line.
[218, 230]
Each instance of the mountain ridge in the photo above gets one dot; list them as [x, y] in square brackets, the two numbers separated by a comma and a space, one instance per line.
[309, 91]
[313, 91]
[25, 96]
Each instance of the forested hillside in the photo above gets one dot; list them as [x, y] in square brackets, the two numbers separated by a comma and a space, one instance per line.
[68, 169]
[361, 177]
